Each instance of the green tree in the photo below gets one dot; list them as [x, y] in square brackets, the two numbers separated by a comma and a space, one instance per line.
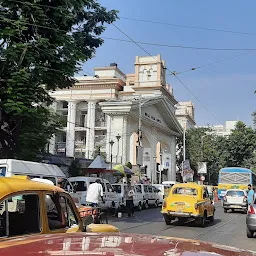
[42, 45]
[35, 132]
[241, 145]
[75, 168]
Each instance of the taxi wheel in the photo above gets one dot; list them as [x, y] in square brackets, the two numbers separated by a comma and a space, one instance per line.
[225, 210]
[201, 221]
[167, 219]
[249, 233]
[211, 219]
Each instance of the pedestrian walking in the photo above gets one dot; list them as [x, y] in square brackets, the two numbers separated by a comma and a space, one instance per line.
[250, 195]
[94, 193]
[128, 195]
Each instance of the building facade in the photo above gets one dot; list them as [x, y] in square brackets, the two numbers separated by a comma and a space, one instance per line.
[111, 110]
[185, 113]
[223, 130]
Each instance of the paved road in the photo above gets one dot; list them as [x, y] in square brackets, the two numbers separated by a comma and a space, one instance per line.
[228, 229]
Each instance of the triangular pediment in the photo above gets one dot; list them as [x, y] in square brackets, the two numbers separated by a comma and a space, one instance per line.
[159, 112]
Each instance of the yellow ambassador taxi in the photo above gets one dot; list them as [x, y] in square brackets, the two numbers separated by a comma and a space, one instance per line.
[188, 200]
[29, 207]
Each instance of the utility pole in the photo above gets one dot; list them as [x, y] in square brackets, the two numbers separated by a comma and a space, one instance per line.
[111, 156]
[184, 142]
[140, 117]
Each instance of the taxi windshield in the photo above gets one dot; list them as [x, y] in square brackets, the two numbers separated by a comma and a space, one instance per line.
[184, 191]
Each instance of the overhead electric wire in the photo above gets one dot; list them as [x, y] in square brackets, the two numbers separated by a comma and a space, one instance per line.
[210, 63]
[148, 21]
[181, 46]
[189, 26]
[169, 71]
[140, 42]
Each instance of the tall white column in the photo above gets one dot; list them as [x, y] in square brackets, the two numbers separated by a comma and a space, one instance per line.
[70, 137]
[153, 142]
[124, 141]
[90, 131]
[52, 142]
[109, 125]
[171, 175]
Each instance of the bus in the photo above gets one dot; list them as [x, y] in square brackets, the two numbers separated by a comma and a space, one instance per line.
[234, 178]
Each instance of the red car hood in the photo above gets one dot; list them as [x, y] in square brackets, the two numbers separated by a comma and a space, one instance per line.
[112, 245]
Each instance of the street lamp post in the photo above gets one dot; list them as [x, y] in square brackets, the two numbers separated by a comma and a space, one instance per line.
[152, 174]
[161, 168]
[111, 156]
[118, 137]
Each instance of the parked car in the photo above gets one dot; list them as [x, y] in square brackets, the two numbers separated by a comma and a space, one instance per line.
[163, 190]
[117, 244]
[137, 199]
[188, 200]
[150, 196]
[31, 207]
[235, 199]
[34, 170]
[81, 184]
[251, 220]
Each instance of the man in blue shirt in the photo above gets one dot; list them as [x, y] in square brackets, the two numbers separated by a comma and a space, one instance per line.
[250, 196]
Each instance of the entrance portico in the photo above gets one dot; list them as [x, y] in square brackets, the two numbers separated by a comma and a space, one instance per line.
[158, 125]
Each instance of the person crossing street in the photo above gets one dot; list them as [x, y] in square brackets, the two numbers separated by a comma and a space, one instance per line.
[128, 195]
[94, 193]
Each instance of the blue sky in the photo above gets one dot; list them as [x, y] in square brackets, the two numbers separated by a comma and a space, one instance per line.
[225, 88]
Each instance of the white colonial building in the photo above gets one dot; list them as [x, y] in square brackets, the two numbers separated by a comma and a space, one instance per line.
[109, 106]
[185, 113]
[222, 130]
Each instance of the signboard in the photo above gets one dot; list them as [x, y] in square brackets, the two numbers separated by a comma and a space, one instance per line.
[139, 155]
[187, 172]
[202, 168]
[166, 164]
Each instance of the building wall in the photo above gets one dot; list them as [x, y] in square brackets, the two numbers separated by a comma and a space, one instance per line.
[93, 121]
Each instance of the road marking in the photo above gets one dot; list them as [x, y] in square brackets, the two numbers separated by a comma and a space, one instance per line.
[214, 228]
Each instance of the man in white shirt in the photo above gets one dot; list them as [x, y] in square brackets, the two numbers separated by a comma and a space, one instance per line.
[94, 192]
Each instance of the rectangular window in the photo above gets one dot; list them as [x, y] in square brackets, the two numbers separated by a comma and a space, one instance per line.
[79, 185]
[185, 191]
[150, 190]
[60, 212]
[146, 189]
[118, 189]
[109, 187]
[138, 188]
[64, 104]
[2, 171]
[234, 193]
[20, 215]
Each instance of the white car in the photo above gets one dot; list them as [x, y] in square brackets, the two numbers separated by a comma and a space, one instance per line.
[137, 199]
[149, 193]
[235, 199]
[81, 184]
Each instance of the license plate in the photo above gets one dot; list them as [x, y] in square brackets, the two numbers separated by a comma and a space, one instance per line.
[235, 206]
[180, 207]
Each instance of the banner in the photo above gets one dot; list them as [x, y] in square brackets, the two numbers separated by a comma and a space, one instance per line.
[139, 156]
[202, 168]
[187, 173]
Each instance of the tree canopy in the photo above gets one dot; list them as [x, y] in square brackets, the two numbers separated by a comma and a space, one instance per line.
[202, 145]
[42, 45]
